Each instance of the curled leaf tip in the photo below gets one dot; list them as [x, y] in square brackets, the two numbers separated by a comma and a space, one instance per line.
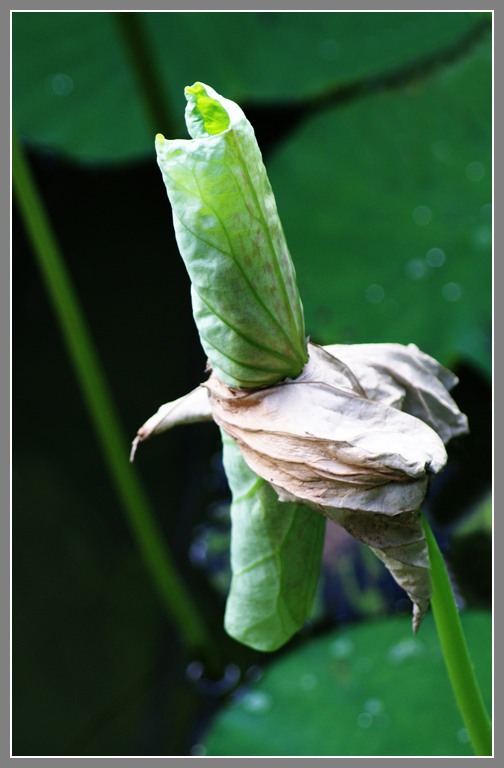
[419, 611]
[207, 114]
[134, 446]
[188, 409]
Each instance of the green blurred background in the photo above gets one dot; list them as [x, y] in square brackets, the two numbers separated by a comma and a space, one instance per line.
[376, 130]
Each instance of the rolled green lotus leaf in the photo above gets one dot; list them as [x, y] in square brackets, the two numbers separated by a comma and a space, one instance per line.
[245, 299]
[276, 552]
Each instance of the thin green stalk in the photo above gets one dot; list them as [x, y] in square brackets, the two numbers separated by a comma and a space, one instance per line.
[456, 653]
[147, 74]
[95, 391]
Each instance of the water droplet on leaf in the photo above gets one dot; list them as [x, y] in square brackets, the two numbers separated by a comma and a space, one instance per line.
[475, 171]
[257, 702]
[364, 720]
[422, 215]
[451, 292]
[374, 293]
[435, 257]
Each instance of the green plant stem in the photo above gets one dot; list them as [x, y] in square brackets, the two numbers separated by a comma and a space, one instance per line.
[172, 590]
[456, 653]
[147, 74]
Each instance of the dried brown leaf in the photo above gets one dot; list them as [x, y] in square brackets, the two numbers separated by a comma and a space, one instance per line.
[357, 438]
[193, 407]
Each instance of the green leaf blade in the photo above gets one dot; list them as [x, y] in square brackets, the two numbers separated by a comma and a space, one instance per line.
[245, 298]
[86, 47]
[276, 550]
[311, 700]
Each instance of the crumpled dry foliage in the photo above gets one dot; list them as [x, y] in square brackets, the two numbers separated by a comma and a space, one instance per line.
[190, 408]
[357, 436]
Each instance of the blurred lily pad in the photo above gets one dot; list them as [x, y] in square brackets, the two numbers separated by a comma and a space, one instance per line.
[369, 690]
[386, 202]
[74, 89]
[386, 205]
